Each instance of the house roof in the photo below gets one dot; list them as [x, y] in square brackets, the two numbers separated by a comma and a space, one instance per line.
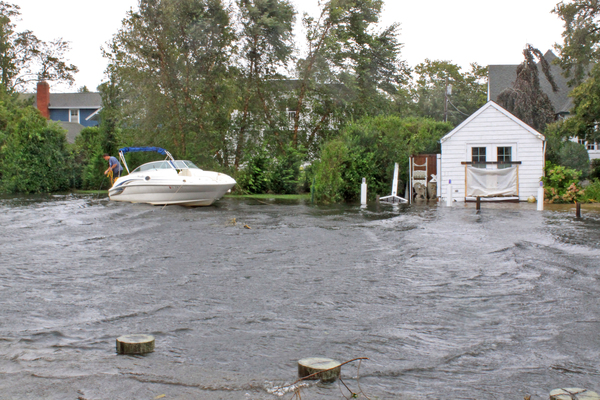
[502, 77]
[75, 100]
[500, 109]
[73, 129]
[69, 100]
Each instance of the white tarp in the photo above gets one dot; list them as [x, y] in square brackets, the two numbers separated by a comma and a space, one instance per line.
[491, 182]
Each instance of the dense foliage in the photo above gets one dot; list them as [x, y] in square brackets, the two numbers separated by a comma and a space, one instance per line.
[368, 149]
[34, 157]
[561, 184]
[581, 46]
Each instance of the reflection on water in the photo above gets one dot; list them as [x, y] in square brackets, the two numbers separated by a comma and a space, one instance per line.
[446, 303]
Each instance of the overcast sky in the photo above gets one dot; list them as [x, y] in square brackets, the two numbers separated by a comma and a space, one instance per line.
[461, 31]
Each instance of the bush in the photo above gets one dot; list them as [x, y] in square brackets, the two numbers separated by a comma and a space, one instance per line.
[283, 177]
[595, 169]
[368, 149]
[592, 192]
[328, 172]
[574, 155]
[561, 184]
[254, 177]
[34, 157]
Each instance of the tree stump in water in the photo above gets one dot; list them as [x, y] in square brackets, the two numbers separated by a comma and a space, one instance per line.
[135, 344]
[573, 394]
[312, 365]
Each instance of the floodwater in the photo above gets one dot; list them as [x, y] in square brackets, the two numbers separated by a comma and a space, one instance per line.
[445, 303]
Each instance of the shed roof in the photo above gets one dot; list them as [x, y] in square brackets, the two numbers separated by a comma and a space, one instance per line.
[500, 109]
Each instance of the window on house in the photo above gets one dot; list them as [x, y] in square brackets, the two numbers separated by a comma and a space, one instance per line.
[74, 116]
[478, 157]
[504, 156]
[591, 146]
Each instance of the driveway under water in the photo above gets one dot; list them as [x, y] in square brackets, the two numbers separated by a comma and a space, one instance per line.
[445, 303]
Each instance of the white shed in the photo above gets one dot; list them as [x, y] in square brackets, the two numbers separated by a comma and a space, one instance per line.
[494, 155]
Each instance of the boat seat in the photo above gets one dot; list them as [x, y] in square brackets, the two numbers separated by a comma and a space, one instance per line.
[185, 172]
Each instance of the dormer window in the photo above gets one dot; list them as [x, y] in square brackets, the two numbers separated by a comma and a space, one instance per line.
[74, 115]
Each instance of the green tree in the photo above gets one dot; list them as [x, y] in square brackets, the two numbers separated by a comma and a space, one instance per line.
[525, 99]
[266, 46]
[581, 37]
[435, 78]
[171, 65]
[25, 59]
[585, 115]
[349, 71]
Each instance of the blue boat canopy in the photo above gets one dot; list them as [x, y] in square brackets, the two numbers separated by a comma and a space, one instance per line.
[136, 149]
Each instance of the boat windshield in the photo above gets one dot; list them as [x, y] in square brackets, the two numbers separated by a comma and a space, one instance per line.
[153, 165]
[184, 164]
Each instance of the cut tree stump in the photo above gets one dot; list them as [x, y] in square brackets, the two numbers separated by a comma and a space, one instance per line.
[135, 344]
[573, 394]
[311, 365]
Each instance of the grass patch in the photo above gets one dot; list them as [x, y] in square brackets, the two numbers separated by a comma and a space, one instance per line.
[304, 196]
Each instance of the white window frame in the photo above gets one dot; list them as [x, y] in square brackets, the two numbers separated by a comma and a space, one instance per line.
[71, 115]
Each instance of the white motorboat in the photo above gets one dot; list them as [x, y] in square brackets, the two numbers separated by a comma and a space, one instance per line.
[168, 181]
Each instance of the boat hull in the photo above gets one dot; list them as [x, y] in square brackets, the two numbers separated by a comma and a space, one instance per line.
[169, 193]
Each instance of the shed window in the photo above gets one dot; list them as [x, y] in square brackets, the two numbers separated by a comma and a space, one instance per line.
[478, 156]
[504, 156]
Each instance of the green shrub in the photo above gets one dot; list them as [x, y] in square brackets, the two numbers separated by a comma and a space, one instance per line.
[369, 148]
[284, 173]
[595, 169]
[35, 157]
[328, 172]
[254, 177]
[561, 184]
[574, 155]
[592, 192]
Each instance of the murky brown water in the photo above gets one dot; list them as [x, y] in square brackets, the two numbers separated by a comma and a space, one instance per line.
[445, 303]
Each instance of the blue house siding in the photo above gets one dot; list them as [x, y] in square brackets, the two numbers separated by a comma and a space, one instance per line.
[84, 113]
[63, 115]
[59, 115]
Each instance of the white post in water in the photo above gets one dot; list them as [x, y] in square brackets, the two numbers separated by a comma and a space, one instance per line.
[395, 182]
[540, 197]
[449, 194]
[363, 192]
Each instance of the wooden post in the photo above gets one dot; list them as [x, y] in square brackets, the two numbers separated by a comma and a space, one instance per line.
[577, 209]
[478, 204]
[135, 344]
[465, 182]
[329, 369]
[517, 180]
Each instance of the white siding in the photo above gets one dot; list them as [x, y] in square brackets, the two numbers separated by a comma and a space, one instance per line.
[492, 129]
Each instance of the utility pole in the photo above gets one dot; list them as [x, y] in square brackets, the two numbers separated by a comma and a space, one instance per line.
[446, 101]
[447, 92]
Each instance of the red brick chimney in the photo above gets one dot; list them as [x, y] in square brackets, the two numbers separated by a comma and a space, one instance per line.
[43, 98]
